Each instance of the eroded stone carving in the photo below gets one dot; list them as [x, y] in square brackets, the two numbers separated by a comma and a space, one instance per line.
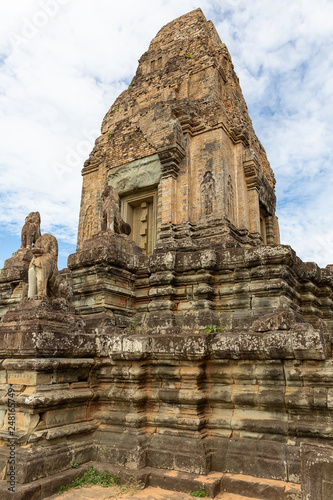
[43, 267]
[230, 201]
[208, 193]
[280, 319]
[89, 222]
[31, 230]
[110, 213]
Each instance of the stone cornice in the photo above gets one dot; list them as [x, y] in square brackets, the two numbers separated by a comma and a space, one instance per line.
[251, 170]
[170, 159]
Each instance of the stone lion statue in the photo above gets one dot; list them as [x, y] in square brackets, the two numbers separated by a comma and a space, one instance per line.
[110, 211]
[31, 230]
[43, 268]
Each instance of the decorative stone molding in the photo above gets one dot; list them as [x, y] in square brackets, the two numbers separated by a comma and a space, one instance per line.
[251, 170]
[170, 160]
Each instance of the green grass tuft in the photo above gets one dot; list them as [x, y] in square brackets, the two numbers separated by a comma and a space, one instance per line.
[212, 329]
[90, 478]
[201, 492]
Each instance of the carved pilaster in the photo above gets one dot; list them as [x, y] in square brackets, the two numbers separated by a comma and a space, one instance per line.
[170, 164]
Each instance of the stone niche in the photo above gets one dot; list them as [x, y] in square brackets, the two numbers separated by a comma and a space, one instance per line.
[195, 349]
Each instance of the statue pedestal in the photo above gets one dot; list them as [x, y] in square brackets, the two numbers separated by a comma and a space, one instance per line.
[47, 360]
[103, 276]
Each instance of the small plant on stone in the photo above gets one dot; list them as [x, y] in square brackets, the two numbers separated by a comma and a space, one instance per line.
[92, 477]
[108, 134]
[201, 492]
[189, 56]
[117, 109]
[212, 329]
[135, 328]
[130, 487]
[135, 324]
[74, 465]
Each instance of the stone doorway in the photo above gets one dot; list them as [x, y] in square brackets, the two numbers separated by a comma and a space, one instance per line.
[140, 212]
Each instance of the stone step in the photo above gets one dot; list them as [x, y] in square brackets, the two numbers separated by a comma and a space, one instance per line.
[149, 493]
[215, 483]
[233, 496]
[218, 485]
[259, 488]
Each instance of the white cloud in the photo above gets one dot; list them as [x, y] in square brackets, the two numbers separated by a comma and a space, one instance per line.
[63, 62]
[283, 55]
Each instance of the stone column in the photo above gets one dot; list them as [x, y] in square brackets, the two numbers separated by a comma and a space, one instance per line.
[270, 230]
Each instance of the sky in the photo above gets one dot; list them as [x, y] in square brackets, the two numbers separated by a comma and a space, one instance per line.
[64, 62]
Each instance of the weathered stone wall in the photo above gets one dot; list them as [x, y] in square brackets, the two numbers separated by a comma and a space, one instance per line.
[179, 289]
[46, 360]
[51, 418]
[186, 406]
[238, 285]
[191, 403]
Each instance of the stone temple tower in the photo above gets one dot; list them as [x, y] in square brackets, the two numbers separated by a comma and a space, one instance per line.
[187, 174]
[179, 148]
[183, 345]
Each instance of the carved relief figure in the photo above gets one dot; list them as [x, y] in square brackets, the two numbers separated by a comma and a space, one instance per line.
[88, 224]
[208, 193]
[31, 230]
[230, 200]
[43, 267]
[110, 213]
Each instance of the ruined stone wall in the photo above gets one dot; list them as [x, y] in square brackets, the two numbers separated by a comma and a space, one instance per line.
[129, 378]
[46, 359]
[191, 403]
[186, 289]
